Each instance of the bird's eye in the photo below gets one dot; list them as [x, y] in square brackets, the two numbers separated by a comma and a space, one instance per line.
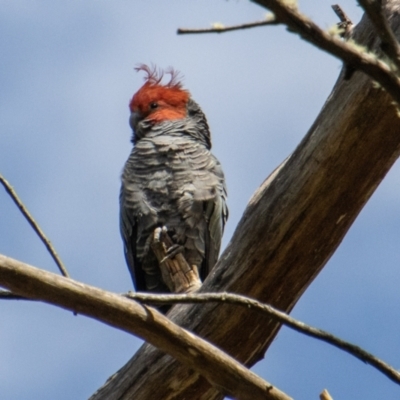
[153, 105]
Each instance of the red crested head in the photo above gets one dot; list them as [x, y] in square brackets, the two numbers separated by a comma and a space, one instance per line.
[157, 102]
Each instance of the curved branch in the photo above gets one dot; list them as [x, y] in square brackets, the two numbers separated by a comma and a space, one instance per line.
[285, 319]
[50, 248]
[221, 370]
[347, 52]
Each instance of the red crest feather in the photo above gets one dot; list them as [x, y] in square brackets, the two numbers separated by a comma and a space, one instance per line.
[155, 75]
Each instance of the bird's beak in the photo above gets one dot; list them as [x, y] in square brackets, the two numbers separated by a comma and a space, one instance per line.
[134, 119]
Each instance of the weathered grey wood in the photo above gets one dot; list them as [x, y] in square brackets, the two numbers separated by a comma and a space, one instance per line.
[291, 227]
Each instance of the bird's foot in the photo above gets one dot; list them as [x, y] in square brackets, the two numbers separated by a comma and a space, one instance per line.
[158, 233]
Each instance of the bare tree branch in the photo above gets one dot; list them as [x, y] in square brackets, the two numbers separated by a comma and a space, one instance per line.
[221, 370]
[389, 43]
[285, 319]
[219, 28]
[50, 248]
[349, 53]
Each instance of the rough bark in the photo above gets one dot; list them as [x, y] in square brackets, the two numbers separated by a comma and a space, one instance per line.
[290, 229]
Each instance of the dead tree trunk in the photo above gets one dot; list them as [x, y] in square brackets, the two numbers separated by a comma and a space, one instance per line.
[291, 227]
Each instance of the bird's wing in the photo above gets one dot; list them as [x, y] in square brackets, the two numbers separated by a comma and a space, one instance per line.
[128, 228]
[216, 215]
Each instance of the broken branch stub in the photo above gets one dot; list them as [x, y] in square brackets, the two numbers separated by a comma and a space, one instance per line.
[178, 275]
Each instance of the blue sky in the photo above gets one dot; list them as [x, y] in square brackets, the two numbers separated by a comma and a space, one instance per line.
[66, 77]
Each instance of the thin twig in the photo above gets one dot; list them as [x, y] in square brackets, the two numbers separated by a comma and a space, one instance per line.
[341, 14]
[345, 29]
[10, 190]
[345, 23]
[280, 316]
[217, 28]
[390, 45]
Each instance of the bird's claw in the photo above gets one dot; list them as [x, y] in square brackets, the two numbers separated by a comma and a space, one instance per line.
[173, 251]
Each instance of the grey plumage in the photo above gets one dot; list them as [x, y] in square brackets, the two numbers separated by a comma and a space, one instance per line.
[171, 179]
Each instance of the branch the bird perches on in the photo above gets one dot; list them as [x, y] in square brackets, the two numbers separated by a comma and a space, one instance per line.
[179, 276]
